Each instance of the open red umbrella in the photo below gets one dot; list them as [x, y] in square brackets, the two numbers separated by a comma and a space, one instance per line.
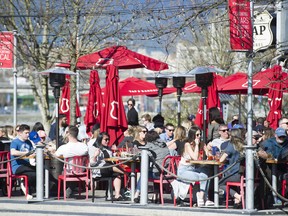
[212, 101]
[113, 118]
[119, 56]
[65, 101]
[94, 106]
[275, 95]
[238, 84]
[133, 86]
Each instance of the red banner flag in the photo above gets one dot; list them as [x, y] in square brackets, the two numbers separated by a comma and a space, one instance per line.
[241, 32]
[6, 49]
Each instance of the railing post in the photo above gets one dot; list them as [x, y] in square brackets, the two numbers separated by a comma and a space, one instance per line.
[39, 172]
[144, 175]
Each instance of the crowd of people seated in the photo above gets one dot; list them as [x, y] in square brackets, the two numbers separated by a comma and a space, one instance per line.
[225, 143]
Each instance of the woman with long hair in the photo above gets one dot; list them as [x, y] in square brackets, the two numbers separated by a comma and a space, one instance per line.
[97, 155]
[189, 150]
[232, 154]
[179, 136]
[139, 138]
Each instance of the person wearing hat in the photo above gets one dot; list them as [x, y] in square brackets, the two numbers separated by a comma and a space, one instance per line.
[274, 145]
[20, 146]
[191, 118]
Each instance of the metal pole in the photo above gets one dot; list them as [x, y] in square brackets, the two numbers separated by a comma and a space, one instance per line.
[39, 172]
[204, 108]
[15, 80]
[56, 96]
[144, 175]
[160, 93]
[249, 151]
[179, 92]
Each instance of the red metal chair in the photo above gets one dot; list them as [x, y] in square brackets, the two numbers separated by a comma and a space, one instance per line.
[12, 177]
[3, 169]
[284, 183]
[171, 164]
[75, 173]
[240, 184]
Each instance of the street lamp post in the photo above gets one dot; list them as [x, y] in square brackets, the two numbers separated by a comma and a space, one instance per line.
[179, 83]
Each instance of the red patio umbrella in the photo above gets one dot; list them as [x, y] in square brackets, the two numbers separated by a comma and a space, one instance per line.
[275, 95]
[119, 56]
[212, 101]
[238, 84]
[113, 118]
[94, 106]
[65, 101]
[133, 86]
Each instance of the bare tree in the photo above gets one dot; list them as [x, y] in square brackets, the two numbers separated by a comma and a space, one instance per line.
[62, 30]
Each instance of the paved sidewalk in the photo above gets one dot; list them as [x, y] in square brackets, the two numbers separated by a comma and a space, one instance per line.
[17, 205]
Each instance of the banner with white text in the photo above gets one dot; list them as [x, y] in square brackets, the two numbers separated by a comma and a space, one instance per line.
[241, 32]
[6, 49]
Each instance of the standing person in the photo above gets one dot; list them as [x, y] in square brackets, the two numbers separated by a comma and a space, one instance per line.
[20, 146]
[62, 125]
[147, 121]
[232, 154]
[215, 119]
[132, 114]
[97, 154]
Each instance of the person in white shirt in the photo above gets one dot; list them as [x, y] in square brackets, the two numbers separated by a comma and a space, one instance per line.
[224, 137]
[71, 149]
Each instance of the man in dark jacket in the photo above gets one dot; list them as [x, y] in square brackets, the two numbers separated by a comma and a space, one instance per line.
[132, 114]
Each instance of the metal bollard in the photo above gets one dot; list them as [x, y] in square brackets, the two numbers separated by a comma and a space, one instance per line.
[144, 175]
[39, 172]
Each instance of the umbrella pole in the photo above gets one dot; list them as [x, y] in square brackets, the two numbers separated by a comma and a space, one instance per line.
[239, 115]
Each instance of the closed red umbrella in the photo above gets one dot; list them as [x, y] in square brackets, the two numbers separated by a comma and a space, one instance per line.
[212, 101]
[113, 117]
[65, 101]
[94, 106]
[275, 96]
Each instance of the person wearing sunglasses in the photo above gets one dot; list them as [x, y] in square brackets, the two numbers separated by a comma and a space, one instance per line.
[224, 137]
[168, 135]
[97, 154]
[139, 136]
[132, 114]
[190, 149]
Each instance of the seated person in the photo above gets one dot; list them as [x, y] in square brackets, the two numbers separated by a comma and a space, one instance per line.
[158, 150]
[224, 137]
[97, 154]
[20, 146]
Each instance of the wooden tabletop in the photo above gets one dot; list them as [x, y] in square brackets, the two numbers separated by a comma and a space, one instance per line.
[115, 159]
[271, 161]
[205, 162]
